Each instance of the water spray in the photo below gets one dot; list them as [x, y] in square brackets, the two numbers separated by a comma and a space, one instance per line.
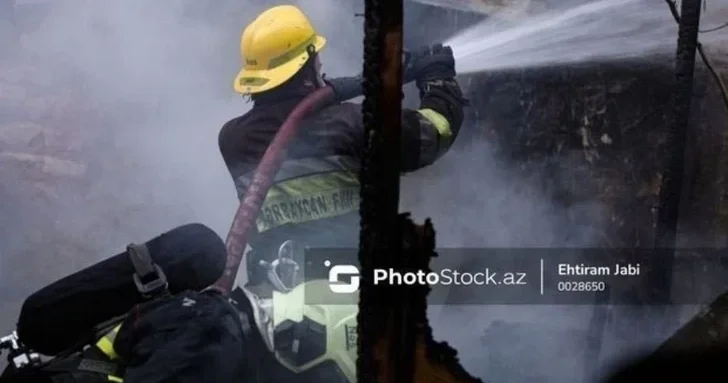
[599, 30]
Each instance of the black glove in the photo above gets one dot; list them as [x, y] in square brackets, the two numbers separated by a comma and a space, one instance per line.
[346, 88]
[435, 62]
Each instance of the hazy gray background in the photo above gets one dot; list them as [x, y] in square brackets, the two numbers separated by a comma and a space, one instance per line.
[157, 77]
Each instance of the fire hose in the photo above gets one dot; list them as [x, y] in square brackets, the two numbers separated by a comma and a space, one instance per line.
[250, 206]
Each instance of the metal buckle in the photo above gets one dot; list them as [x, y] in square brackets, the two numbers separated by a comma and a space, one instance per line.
[286, 253]
[18, 355]
[154, 286]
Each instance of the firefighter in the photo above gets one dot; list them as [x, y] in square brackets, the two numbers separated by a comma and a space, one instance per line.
[314, 200]
[315, 193]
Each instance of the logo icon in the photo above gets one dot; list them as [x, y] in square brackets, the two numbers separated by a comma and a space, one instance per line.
[339, 287]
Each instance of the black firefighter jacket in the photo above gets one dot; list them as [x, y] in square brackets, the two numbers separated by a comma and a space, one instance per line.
[315, 197]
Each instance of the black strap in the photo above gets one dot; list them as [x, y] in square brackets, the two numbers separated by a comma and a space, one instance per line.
[100, 366]
[141, 259]
[149, 277]
[84, 364]
[252, 341]
[103, 328]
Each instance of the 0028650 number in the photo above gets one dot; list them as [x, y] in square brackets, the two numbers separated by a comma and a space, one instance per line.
[581, 286]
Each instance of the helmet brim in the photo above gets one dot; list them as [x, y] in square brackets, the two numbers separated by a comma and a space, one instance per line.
[257, 81]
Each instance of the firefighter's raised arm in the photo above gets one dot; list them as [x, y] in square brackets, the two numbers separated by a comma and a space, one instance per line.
[428, 132]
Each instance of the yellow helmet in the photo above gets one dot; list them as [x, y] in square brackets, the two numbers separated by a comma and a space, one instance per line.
[274, 47]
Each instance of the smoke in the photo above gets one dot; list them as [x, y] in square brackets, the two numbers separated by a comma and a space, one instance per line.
[477, 200]
[157, 78]
[149, 85]
[163, 72]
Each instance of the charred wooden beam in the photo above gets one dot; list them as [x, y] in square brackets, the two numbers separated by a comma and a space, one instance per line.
[711, 326]
[381, 356]
[672, 178]
[395, 343]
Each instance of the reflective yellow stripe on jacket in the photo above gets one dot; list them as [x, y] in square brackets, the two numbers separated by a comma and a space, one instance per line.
[438, 121]
[106, 345]
[444, 132]
[308, 189]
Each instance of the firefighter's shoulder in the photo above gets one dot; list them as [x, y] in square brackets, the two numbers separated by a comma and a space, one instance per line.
[232, 125]
[345, 112]
[231, 131]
